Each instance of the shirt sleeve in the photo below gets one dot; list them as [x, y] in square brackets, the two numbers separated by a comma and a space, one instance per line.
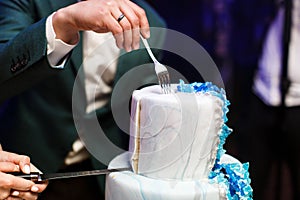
[57, 50]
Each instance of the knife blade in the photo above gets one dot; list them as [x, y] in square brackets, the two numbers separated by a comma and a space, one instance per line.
[40, 177]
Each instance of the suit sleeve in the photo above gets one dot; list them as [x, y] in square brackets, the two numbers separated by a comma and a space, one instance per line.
[23, 48]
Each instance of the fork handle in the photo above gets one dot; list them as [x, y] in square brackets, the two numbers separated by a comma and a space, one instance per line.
[148, 49]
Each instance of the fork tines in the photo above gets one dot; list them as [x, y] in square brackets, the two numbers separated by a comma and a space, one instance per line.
[164, 81]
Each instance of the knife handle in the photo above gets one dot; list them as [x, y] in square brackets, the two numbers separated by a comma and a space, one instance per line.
[33, 176]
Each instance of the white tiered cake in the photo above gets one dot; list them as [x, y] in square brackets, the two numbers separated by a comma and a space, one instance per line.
[176, 148]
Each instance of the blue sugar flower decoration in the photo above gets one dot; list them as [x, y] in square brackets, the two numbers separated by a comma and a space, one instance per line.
[234, 177]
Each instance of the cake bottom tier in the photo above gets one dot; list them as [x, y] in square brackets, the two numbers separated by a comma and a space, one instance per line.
[127, 185]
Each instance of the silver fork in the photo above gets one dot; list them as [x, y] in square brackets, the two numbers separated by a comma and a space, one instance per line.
[161, 71]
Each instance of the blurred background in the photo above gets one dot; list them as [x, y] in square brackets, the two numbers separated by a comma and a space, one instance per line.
[231, 31]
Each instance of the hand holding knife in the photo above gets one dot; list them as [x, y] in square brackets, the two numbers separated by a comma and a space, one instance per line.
[39, 177]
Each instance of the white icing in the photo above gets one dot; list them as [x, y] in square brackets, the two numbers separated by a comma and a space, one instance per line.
[174, 136]
[128, 185]
[173, 147]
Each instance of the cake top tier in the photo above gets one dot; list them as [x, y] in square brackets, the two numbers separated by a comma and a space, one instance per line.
[181, 136]
[177, 136]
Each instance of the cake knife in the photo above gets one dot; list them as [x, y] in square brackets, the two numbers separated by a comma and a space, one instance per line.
[39, 177]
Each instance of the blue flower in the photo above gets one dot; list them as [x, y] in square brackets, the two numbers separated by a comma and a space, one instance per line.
[234, 177]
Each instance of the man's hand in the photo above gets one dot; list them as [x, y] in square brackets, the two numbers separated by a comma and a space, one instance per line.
[101, 16]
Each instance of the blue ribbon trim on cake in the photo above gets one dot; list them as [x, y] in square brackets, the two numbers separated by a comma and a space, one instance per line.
[234, 177]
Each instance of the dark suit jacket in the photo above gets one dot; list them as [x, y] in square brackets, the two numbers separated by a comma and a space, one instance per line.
[36, 100]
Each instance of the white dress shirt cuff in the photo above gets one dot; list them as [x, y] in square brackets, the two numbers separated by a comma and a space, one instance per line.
[56, 48]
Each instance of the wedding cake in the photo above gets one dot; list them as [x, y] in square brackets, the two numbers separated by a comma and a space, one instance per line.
[176, 148]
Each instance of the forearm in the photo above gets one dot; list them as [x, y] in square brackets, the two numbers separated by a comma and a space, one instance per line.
[57, 49]
[22, 51]
[24, 60]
